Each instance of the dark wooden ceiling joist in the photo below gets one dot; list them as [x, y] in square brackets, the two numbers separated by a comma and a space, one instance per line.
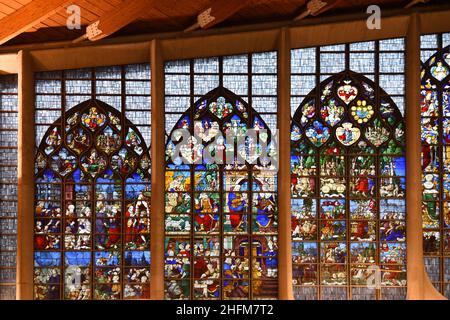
[175, 15]
[27, 16]
[115, 19]
[316, 7]
[217, 12]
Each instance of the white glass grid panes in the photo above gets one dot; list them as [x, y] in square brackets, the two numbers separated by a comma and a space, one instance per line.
[8, 184]
[232, 72]
[235, 64]
[362, 62]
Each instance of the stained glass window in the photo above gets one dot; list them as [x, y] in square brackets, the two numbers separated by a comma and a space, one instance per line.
[8, 186]
[348, 171]
[435, 107]
[92, 173]
[221, 216]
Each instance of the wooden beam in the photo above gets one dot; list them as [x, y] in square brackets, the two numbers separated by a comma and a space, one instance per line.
[25, 174]
[219, 11]
[316, 7]
[115, 19]
[28, 16]
[414, 2]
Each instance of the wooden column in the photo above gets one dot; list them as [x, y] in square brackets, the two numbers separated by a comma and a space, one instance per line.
[158, 151]
[25, 171]
[419, 285]
[284, 174]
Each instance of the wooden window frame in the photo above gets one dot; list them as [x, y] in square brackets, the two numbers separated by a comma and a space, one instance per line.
[269, 37]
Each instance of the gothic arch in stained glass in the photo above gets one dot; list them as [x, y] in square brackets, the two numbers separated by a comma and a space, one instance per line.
[435, 109]
[92, 218]
[348, 190]
[220, 216]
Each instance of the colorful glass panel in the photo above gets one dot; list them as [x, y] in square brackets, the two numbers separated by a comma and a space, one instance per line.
[435, 107]
[348, 178]
[92, 200]
[221, 217]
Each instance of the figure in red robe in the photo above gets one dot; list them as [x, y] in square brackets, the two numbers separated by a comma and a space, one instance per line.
[426, 155]
[113, 233]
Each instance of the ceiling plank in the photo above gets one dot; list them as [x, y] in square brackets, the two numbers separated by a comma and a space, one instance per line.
[26, 17]
[115, 19]
[219, 11]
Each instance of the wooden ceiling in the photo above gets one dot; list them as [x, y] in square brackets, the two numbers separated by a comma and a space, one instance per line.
[158, 16]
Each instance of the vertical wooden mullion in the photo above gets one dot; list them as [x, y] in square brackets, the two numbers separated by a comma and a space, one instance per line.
[439, 202]
[318, 178]
[419, 285]
[284, 188]
[25, 171]
[192, 177]
[157, 169]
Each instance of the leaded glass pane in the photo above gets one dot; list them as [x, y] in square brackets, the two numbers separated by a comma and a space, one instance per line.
[220, 224]
[92, 173]
[348, 172]
[435, 110]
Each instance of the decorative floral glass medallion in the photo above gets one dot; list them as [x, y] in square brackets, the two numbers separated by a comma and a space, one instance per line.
[331, 112]
[376, 133]
[220, 108]
[439, 71]
[93, 119]
[318, 133]
[347, 92]
[362, 112]
[240, 106]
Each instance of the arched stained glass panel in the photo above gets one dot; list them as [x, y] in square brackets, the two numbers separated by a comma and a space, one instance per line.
[221, 215]
[92, 218]
[348, 189]
[435, 108]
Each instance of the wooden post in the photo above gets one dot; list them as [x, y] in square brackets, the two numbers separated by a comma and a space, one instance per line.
[25, 171]
[157, 151]
[284, 174]
[419, 285]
